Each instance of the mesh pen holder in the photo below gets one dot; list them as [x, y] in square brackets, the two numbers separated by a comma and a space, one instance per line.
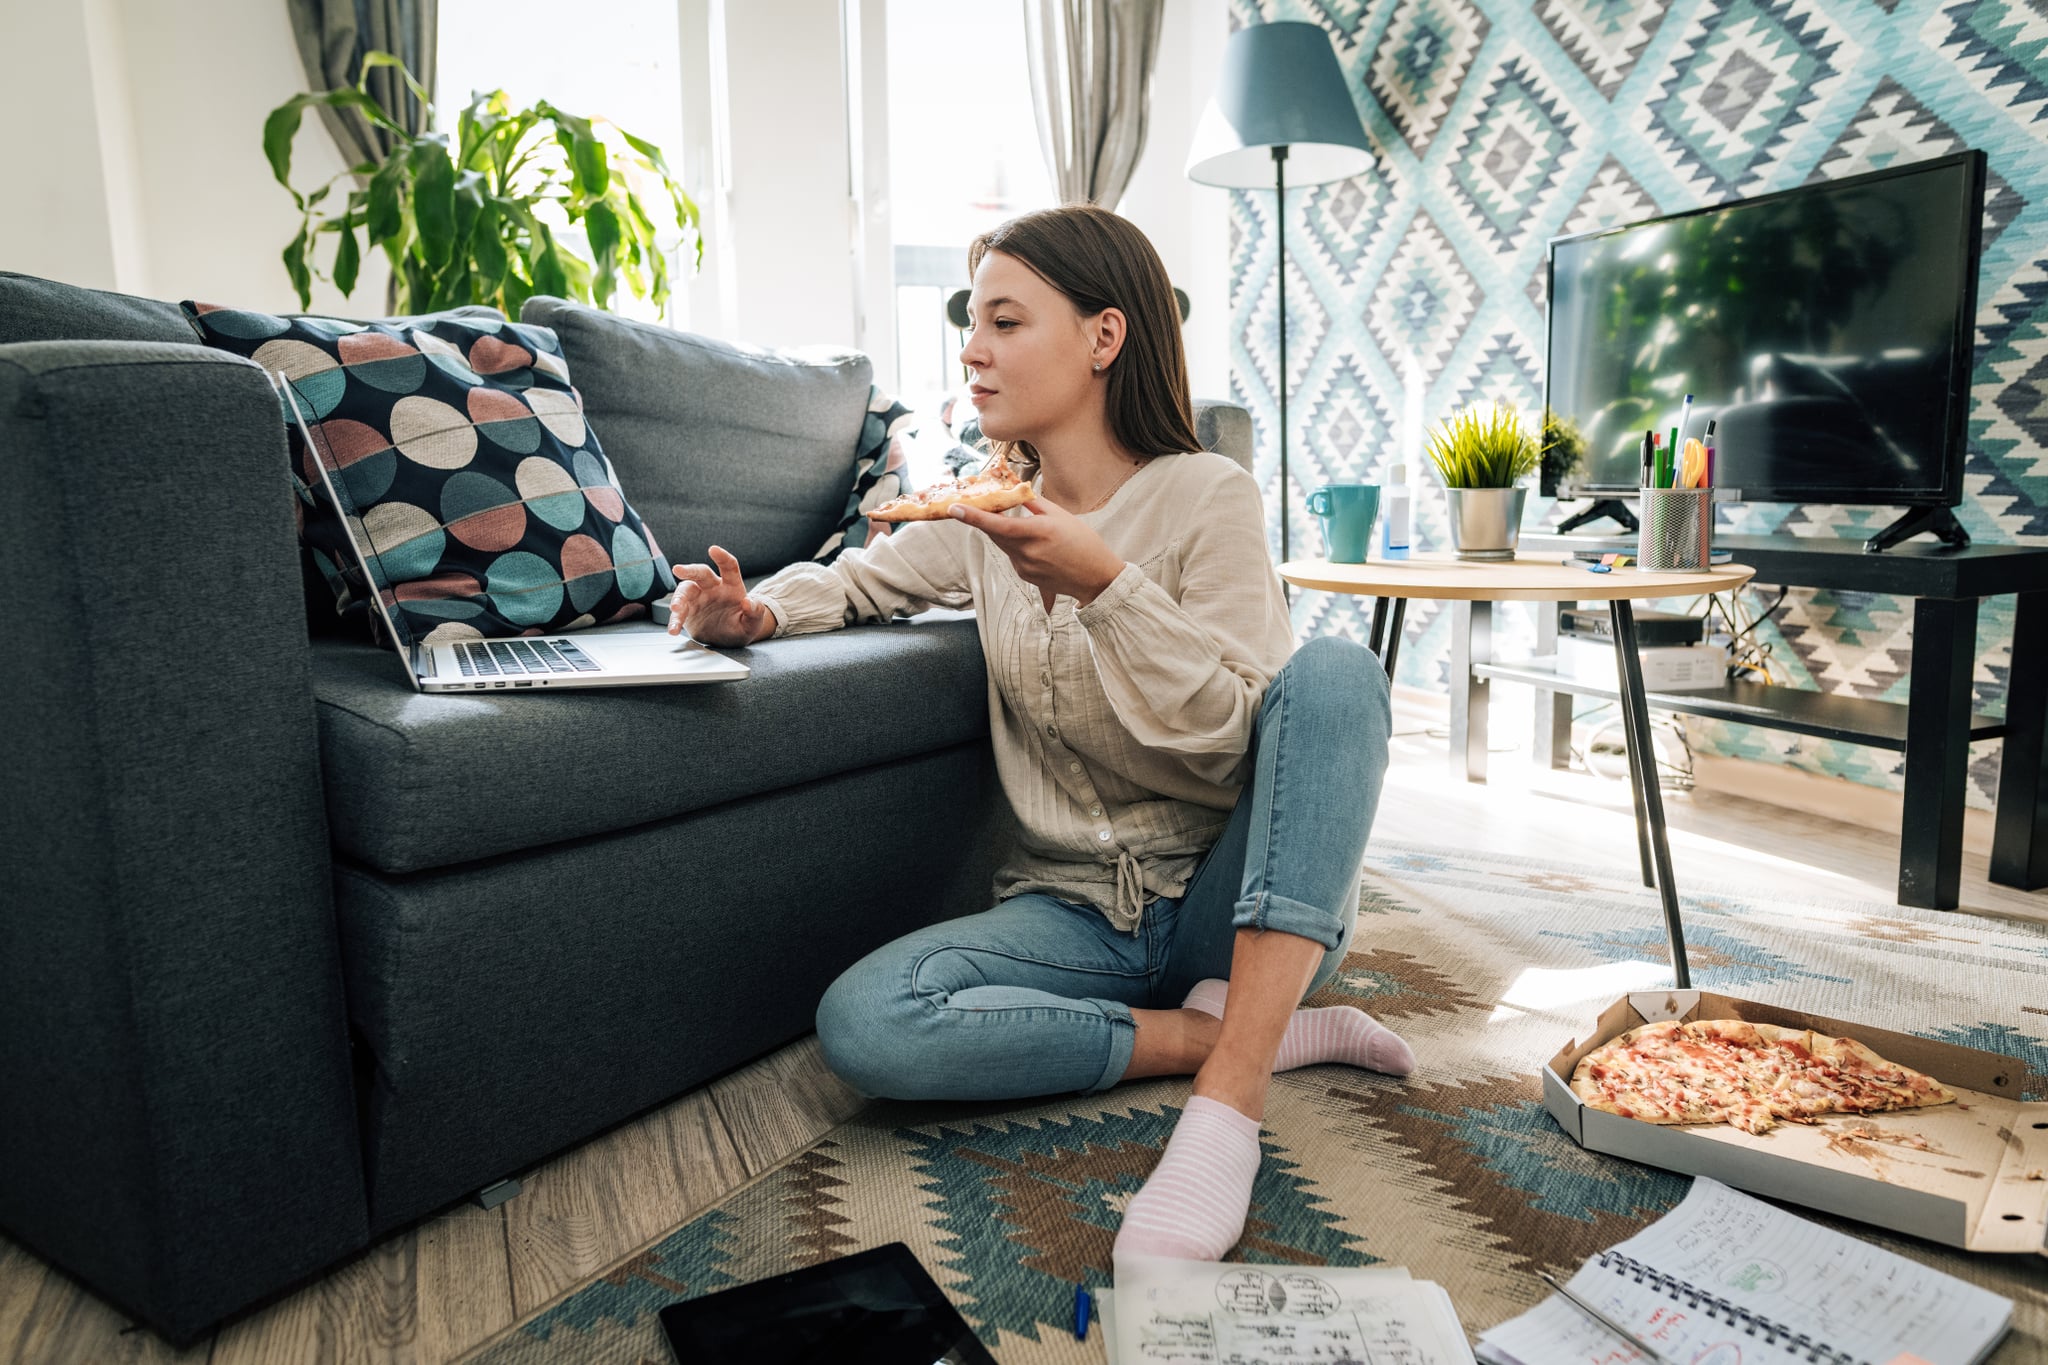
[1677, 529]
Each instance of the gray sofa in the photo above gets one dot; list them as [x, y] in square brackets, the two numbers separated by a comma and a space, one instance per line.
[291, 955]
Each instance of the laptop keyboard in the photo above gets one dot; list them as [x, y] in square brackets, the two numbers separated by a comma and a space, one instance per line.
[496, 658]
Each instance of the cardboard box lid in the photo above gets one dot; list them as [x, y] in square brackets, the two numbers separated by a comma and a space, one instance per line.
[1973, 1174]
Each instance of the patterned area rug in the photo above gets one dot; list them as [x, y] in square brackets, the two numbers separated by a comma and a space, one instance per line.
[1488, 965]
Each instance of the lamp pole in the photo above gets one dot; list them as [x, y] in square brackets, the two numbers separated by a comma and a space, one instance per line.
[1280, 212]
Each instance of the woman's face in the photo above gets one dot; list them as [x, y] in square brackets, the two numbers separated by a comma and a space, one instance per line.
[1031, 356]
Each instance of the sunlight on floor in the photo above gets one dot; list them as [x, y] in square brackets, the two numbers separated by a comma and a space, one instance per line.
[1545, 988]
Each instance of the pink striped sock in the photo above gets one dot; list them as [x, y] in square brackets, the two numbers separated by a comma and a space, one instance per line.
[1336, 1033]
[1194, 1205]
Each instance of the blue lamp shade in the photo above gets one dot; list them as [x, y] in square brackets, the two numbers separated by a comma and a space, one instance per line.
[1280, 86]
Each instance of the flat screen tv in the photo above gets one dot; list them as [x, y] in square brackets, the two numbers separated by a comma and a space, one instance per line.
[1826, 330]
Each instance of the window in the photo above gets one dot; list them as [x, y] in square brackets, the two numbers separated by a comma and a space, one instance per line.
[963, 157]
[618, 61]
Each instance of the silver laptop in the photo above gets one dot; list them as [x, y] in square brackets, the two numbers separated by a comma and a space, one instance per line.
[629, 654]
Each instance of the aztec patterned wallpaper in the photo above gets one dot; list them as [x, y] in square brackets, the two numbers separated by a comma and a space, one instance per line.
[1500, 124]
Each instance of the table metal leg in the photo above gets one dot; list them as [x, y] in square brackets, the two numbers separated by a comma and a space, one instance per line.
[1553, 740]
[1937, 752]
[1643, 771]
[1471, 643]
[1636, 758]
[1393, 652]
[1376, 641]
[2019, 839]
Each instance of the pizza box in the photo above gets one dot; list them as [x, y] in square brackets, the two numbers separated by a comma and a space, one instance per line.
[1973, 1174]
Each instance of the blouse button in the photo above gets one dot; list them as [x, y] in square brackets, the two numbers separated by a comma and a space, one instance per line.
[1052, 731]
[1104, 836]
[1095, 810]
[1046, 679]
[1073, 766]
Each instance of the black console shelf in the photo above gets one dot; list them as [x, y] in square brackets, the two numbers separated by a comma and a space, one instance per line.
[1849, 720]
[1933, 728]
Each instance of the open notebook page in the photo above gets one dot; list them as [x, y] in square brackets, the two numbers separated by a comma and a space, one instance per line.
[1862, 1302]
[1168, 1312]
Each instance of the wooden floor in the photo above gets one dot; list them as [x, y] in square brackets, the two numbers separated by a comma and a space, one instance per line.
[431, 1293]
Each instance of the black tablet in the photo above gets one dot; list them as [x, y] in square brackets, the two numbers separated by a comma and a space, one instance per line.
[876, 1307]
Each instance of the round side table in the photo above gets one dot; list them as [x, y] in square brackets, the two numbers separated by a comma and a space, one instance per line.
[1445, 578]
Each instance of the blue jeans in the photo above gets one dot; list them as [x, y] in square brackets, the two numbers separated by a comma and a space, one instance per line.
[1034, 997]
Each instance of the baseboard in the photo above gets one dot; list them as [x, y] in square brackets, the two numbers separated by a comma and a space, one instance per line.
[1853, 803]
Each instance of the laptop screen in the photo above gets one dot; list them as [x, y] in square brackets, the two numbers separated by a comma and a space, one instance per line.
[395, 632]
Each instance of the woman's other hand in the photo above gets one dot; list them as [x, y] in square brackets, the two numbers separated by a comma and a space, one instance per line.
[1052, 549]
[712, 604]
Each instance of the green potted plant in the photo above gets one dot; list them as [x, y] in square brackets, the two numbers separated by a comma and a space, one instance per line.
[1481, 454]
[1564, 448]
[480, 220]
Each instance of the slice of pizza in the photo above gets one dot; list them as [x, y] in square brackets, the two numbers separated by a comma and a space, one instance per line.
[1647, 1074]
[994, 488]
[1805, 1075]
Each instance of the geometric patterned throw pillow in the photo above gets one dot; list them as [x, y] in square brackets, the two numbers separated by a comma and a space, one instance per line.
[480, 495]
[880, 472]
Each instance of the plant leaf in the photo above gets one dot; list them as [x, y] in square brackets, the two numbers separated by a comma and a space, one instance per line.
[433, 200]
[549, 276]
[347, 259]
[487, 248]
[386, 218]
[280, 126]
[376, 59]
[602, 226]
[295, 266]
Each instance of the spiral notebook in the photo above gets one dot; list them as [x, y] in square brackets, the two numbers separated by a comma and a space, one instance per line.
[1724, 1279]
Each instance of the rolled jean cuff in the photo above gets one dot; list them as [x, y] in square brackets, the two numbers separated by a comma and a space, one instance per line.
[1268, 911]
[1123, 1039]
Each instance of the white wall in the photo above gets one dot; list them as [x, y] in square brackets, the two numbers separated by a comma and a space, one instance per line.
[146, 173]
[1189, 224]
[786, 223]
[54, 221]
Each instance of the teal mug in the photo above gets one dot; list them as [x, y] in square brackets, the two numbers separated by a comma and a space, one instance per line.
[1348, 511]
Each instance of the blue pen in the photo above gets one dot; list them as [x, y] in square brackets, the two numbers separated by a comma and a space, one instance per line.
[1082, 1303]
[1684, 417]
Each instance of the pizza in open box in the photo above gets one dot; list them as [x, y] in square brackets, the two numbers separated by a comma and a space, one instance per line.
[1750, 1075]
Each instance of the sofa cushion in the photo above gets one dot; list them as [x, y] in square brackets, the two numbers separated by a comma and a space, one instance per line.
[33, 309]
[460, 450]
[881, 471]
[738, 446]
[419, 780]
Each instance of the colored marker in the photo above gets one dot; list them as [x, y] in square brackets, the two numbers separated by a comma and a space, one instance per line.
[1082, 1304]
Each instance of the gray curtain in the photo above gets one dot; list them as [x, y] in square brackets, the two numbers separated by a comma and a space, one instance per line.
[333, 35]
[1091, 72]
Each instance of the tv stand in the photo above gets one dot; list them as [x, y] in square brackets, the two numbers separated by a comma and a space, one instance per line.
[1932, 728]
[1940, 520]
[1603, 507]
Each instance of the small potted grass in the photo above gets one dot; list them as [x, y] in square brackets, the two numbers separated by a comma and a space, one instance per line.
[1481, 454]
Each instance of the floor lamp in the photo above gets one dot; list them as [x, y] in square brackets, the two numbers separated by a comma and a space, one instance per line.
[1281, 101]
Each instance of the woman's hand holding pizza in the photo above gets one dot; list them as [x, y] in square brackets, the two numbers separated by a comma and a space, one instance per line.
[714, 607]
[1052, 549]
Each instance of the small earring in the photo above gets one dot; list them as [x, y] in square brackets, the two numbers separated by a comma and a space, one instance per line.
[1098, 367]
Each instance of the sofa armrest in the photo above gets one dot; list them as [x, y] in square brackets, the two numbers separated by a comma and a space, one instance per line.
[177, 1118]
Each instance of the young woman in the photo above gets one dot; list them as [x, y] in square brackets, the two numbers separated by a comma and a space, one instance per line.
[1193, 802]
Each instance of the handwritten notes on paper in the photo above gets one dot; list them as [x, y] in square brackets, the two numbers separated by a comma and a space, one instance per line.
[1203, 1313]
[1722, 1273]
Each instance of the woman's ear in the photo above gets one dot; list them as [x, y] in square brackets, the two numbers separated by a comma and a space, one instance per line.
[1108, 329]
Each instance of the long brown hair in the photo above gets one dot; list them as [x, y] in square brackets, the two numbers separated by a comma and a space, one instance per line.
[1098, 260]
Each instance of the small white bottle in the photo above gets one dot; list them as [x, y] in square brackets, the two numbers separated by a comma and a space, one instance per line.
[1395, 512]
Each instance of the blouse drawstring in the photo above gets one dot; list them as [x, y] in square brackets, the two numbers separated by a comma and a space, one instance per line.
[1130, 891]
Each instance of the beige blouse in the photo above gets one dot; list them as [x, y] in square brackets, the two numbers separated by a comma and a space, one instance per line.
[1121, 728]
